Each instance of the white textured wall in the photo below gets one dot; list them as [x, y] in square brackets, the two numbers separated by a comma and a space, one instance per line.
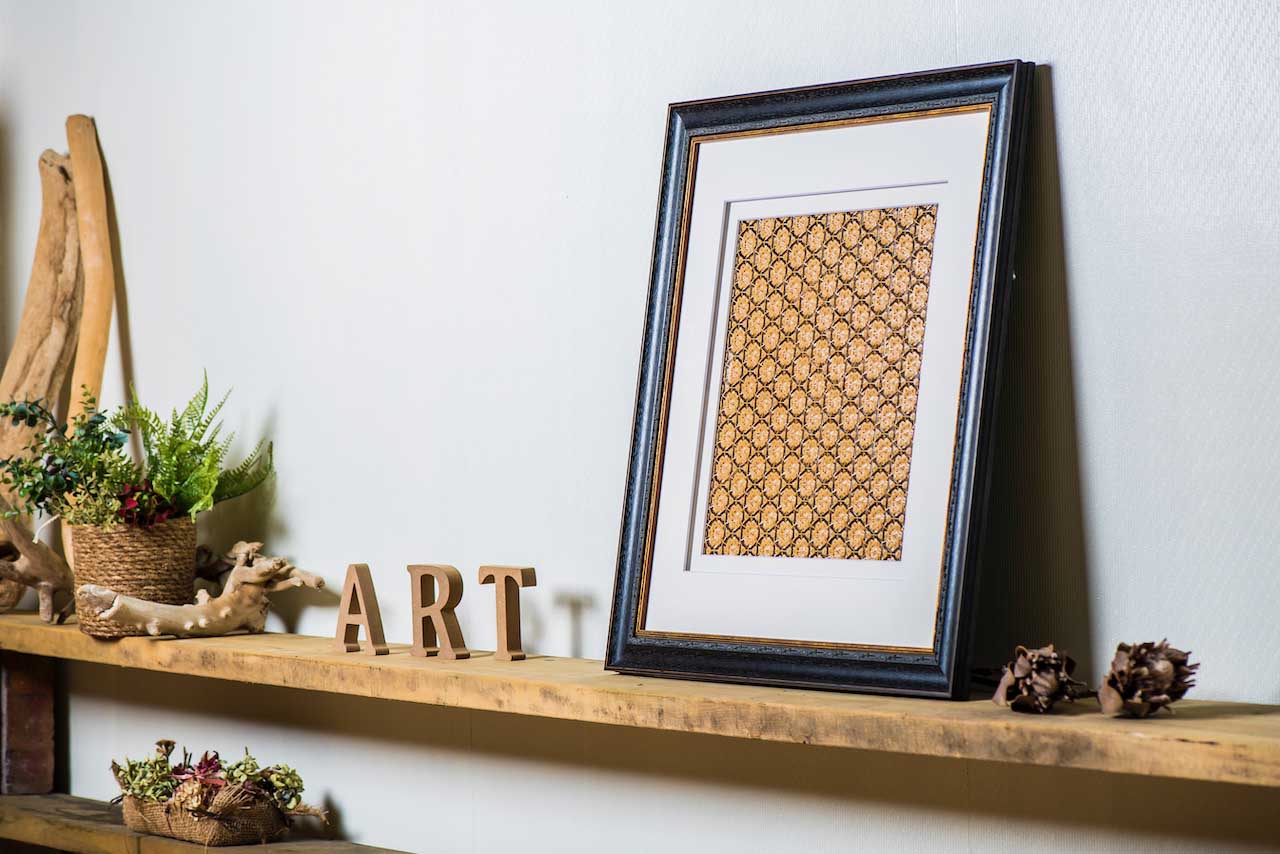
[415, 238]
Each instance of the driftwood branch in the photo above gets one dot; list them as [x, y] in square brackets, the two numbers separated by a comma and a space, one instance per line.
[27, 563]
[38, 364]
[242, 604]
[93, 220]
[50, 324]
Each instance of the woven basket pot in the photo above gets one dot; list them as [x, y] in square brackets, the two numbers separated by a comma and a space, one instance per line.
[157, 564]
[257, 822]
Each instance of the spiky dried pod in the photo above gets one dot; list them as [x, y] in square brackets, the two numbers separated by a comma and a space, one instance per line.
[1145, 678]
[1036, 679]
[193, 795]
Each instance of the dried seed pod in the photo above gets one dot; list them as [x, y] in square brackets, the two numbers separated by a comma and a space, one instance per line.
[193, 795]
[1036, 679]
[1145, 678]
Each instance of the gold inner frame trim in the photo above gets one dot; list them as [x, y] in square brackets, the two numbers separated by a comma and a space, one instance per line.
[664, 410]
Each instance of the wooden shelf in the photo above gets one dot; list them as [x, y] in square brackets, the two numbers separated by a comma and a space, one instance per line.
[81, 826]
[1222, 742]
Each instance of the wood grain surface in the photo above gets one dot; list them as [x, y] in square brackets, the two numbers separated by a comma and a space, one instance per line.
[1205, 740]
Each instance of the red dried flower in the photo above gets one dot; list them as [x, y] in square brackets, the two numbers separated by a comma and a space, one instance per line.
[142, 506]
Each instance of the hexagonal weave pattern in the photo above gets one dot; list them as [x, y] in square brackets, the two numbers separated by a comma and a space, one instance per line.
[817, 403]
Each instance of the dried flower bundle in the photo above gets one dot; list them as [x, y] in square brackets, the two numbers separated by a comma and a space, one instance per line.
[1145, 678]
[1036, 679]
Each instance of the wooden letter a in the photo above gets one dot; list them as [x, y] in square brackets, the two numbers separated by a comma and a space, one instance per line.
[433, 615]
[359, 609]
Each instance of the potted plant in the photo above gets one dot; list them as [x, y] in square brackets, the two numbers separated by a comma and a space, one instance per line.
[209, 802]
[132, 523]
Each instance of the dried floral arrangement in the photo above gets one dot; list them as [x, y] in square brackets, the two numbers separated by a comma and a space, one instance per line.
[208, 801]
[1144, 678]
[82, 472]
[1038, 678]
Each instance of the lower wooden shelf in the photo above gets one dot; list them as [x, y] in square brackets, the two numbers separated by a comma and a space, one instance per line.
[1211, 741]
[80, 826]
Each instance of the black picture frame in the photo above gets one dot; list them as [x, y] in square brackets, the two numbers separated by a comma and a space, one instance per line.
[943, 673]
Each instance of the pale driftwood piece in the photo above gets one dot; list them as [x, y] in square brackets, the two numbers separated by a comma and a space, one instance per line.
[216, 568]
[241, 606]
[508, 580]
[95, 248]
[27, 563]
[49, 328]
[436, 591]
[359, 609]
[47, 333]
[11, 592]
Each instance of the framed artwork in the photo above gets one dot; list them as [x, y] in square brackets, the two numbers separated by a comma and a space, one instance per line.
[812, 436]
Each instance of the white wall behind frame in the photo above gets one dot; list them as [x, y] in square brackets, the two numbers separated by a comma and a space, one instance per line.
[445, 212]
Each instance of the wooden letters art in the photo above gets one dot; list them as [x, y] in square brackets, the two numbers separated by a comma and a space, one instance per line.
[435, 591]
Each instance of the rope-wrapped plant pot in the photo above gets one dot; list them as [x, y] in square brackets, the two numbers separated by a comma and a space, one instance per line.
[235, 817]
[157, 564]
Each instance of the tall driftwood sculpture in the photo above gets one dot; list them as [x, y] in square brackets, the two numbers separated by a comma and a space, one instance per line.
[241, 606]
[37, 368]
[95, 251]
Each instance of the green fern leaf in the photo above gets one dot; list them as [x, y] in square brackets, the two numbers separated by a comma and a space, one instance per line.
[194, 411]
[255, 470]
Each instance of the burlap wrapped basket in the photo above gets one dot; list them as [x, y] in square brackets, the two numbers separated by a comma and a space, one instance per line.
[235, 817]
[157, 564]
